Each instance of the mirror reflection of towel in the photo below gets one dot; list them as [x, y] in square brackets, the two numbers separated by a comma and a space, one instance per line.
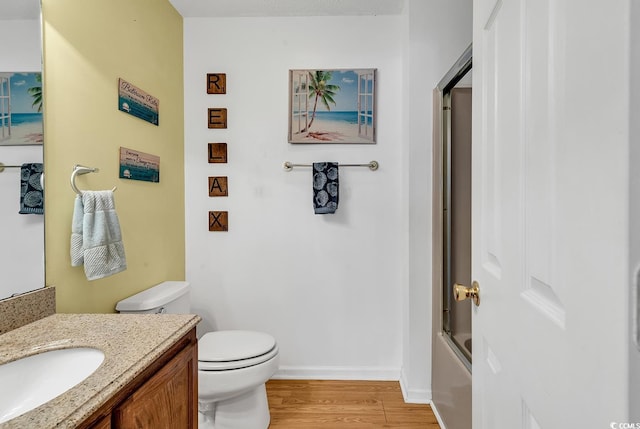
[31, 195]
[325, 187]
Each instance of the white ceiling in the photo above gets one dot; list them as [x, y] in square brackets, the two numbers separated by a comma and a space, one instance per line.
[30, 9]
[238, 8]
[19, 9]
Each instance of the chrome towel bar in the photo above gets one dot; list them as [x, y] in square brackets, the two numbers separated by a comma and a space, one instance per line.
[373, 165]
[2, 166]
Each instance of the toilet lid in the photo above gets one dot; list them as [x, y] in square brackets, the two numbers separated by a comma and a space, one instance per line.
[238, 364]
[226, 346]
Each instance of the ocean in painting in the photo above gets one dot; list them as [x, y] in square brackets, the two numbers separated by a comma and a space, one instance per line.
[348, 117]
[25, 118]
[26, 129]
[336, 127]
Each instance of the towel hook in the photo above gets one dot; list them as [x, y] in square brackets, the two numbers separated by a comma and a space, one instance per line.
[81, 169]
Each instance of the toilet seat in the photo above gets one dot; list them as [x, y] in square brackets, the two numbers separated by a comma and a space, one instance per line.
[227, 350]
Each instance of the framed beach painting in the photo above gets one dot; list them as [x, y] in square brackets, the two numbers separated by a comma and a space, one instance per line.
[332, 106]
[21, 108]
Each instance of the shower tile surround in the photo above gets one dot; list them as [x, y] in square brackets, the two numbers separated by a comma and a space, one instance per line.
[28, 307]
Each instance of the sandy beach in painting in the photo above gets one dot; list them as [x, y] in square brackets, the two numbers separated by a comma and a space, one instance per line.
[23, 134]
[325, 131]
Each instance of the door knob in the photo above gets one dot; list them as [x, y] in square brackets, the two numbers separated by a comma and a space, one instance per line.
[461, 292]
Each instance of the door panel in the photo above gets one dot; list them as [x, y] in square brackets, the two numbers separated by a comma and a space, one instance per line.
[540, 289]
[497, 247]
[549, 204]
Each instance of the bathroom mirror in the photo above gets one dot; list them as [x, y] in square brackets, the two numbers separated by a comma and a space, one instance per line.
[21, 235]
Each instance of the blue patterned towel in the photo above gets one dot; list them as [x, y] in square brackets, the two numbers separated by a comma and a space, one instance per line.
[31, 195]
[325, 187]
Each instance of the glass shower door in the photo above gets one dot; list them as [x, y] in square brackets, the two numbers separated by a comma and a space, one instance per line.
[457, 213]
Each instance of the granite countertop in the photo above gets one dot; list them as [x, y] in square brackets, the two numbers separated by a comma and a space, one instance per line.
[130, 342]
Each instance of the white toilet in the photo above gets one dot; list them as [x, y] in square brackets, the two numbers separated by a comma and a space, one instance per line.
[233, 366]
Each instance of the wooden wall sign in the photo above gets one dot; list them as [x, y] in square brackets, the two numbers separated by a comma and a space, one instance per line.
[216, 83]
[217, 153]
[218, 221]
[218, 186]
[217, 117]
[136, 102]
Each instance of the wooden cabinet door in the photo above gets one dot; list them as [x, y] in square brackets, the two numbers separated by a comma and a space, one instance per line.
[104, 423]
[168, 400]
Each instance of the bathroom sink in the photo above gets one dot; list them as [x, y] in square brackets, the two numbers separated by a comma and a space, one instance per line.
[33, 380]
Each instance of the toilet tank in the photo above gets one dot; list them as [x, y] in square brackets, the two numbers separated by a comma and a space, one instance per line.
[170, 297]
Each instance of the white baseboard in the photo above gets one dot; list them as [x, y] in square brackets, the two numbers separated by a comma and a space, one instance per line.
[413, 396]
[438, 418]
[337, 373]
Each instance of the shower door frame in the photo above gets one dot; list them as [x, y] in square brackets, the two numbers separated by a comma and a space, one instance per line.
[444, 88]
[451, 380]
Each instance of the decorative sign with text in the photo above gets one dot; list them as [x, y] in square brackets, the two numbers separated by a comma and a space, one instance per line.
[218, 221]
[216, 83]
[218, 186]
[136, 165]
[217, 117]
[136, 102]
[217, 153]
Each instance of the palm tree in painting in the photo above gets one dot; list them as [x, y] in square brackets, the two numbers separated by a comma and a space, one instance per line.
[321, 90]
[36, 93]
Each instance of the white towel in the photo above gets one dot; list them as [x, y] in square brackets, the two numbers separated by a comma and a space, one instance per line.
[77, 252]
[96, 240]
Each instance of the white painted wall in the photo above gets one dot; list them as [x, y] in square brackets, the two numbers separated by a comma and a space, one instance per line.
[22, 251]
[343, 294]
[438, 34]
[328, 287]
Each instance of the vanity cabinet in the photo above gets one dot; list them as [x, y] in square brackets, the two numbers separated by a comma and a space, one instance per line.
[103, 423]
[164, 396]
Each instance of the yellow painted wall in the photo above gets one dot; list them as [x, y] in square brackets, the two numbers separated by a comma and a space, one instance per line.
[88, 45]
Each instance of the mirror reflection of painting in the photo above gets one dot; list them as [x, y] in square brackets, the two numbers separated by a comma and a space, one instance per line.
[332, 106]
[21, 108]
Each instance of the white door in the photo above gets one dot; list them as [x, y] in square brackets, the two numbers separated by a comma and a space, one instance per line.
[550, 155]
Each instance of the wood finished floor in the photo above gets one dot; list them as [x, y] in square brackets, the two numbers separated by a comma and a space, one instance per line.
[310, 404]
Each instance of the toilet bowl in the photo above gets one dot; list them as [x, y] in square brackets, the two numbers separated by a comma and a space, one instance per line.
[232, 369]
[233, 365]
